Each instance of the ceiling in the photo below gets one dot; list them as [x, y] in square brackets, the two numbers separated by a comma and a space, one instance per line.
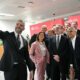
[38, 10]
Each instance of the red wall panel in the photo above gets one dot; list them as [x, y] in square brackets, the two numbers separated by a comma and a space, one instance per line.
[73, 18]
[37, 27]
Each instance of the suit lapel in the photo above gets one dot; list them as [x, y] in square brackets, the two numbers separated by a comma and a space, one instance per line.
[54, 41]
[76, 42]
[24, 41]
[14, 41]
[61, 41]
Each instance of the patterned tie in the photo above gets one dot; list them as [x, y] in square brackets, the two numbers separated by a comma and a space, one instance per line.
[18, 40]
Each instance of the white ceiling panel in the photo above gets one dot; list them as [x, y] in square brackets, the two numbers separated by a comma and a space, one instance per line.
[38, 9]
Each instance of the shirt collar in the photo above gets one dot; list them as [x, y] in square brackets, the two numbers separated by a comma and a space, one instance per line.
[74, 38]
[16, 34]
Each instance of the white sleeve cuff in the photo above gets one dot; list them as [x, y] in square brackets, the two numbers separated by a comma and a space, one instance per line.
[71, 65]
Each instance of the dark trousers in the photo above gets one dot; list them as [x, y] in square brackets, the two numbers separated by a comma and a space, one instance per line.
[77, 73]
[64, 69]
[56, 70]
[48, 71]
[63, 73]
[18, 72]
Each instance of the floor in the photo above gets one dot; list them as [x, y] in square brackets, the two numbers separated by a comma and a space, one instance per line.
[2, 76]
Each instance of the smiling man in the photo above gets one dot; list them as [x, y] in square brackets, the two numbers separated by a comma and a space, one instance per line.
[15, 54]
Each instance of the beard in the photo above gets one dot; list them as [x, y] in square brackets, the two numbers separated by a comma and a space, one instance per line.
[18, 30]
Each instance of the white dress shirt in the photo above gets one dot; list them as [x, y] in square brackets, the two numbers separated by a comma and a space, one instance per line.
[21, 43]
[73, 42]
[73, 45]
[21, 40]
[59, 37]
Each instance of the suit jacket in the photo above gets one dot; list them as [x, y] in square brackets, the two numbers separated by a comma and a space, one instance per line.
[62, 50]
[35, 53]
[78, 32]
[75, 54]
[12, 53]
[33, 38]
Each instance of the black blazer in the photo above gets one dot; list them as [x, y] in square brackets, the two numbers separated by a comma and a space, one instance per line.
[78, 32]
[12, 53]
[33, 38]
[75, 53]
[62, 50]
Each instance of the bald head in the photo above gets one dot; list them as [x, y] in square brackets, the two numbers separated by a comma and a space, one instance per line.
[44, 28]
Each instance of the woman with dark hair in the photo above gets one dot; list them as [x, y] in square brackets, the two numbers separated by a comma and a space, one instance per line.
[39, 55]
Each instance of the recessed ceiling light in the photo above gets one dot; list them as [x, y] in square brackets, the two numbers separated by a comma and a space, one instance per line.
[31, 2]
[53, 14]
[6, 14]
[21, 7]
[65, 18]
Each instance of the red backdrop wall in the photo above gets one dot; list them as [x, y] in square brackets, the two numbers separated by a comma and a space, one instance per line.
[73, 18]
[37, 27]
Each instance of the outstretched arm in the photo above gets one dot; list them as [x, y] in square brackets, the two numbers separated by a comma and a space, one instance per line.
[3, 34]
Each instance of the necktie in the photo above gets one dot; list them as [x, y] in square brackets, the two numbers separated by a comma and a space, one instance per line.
[18, 41]
[57, 42]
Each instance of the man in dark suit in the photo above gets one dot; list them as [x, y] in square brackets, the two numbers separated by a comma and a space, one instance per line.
[58, 48]
[15, 55]
[74, 52]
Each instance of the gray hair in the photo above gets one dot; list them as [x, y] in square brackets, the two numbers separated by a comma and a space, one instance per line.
[71, 29]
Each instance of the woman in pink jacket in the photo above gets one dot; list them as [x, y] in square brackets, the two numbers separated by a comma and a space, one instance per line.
[39, 55]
